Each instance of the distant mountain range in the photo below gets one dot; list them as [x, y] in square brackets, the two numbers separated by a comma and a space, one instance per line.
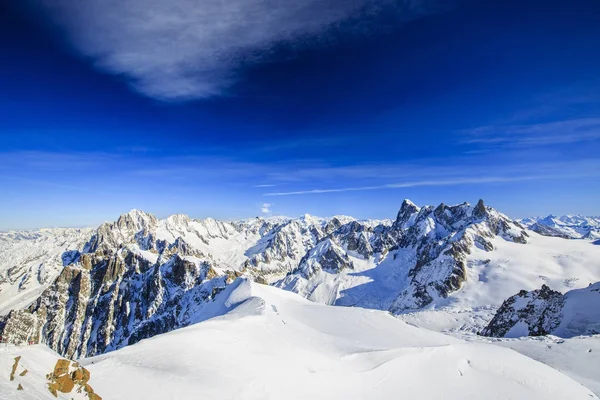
[567, 226]
[85, 292]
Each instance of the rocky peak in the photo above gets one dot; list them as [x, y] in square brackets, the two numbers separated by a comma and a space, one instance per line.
[326, 256]
[136, 220]
[479, 211]
[408, 211]
[179, 220]
[532, 313]
[135, 225]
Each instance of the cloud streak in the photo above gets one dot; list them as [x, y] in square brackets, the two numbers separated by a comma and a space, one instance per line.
[545, 134]
[448, 182]
[189, 49]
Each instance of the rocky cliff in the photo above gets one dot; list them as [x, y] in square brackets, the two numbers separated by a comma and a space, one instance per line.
[140, 276]
[546, 311]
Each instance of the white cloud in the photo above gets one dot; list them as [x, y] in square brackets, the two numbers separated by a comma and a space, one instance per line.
[188, 49]
[551, 133]
[446, 182]
[266, 208]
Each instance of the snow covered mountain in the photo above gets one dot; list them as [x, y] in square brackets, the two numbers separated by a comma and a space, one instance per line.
[421, 259]
[141, 276]
[546, 311]
[270, 344]
[31, 260]
[566, 226]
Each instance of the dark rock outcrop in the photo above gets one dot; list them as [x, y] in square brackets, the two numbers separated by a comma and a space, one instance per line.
[538, 311]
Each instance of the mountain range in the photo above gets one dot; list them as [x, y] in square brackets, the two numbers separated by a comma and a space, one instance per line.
[566, 226]
[453, 269]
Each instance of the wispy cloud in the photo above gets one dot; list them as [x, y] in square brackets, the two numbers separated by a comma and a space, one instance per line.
[265, 208]
[545, 134]
[188, 49]
[449, 182]
[192, 174]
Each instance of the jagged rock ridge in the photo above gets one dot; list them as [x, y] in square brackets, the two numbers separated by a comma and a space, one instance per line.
[546, 311]
[140, 276]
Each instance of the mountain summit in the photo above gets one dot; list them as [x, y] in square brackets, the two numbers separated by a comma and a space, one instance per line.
[141, 276]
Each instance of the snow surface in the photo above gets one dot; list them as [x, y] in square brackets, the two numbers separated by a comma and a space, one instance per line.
[581, 312]
[38, 360]
[30, 260]
[273, 344]
[561, 264]
[492, 277]
[269, 343]
[572, 226]
[577, 357]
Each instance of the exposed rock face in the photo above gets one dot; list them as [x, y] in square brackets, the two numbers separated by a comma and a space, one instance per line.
[14, 368]
[112, 299]
[435, 242]
[442, 238]
[539, 311]
[29, 261]
[282, 249]
[355, 237]
[69, 376]
[546, 230]
[325, 256]
[140, 276]
[546, 311]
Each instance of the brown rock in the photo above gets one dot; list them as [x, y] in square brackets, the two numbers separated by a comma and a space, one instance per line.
[61, 367]
[52, 389]
[14, 368]
[64, 384]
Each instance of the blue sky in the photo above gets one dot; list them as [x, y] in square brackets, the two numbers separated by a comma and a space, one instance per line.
[249, 107]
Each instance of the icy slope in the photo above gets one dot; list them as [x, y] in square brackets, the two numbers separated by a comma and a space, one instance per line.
[35, 368]
[276, 345]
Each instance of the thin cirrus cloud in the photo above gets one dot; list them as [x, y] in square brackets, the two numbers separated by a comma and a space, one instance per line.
[448, 182]
[544, 134]
[188, 49]
[546, 172]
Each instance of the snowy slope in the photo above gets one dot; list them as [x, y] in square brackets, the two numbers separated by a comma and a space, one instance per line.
[567, 226]
[31, 260]
[272, 344]
[561, 264]
[35, 363]
[491, 277]
[444, 267]
[576, 357]
[546, 311]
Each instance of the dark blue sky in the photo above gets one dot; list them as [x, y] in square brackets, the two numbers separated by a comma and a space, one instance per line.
[325, 111]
